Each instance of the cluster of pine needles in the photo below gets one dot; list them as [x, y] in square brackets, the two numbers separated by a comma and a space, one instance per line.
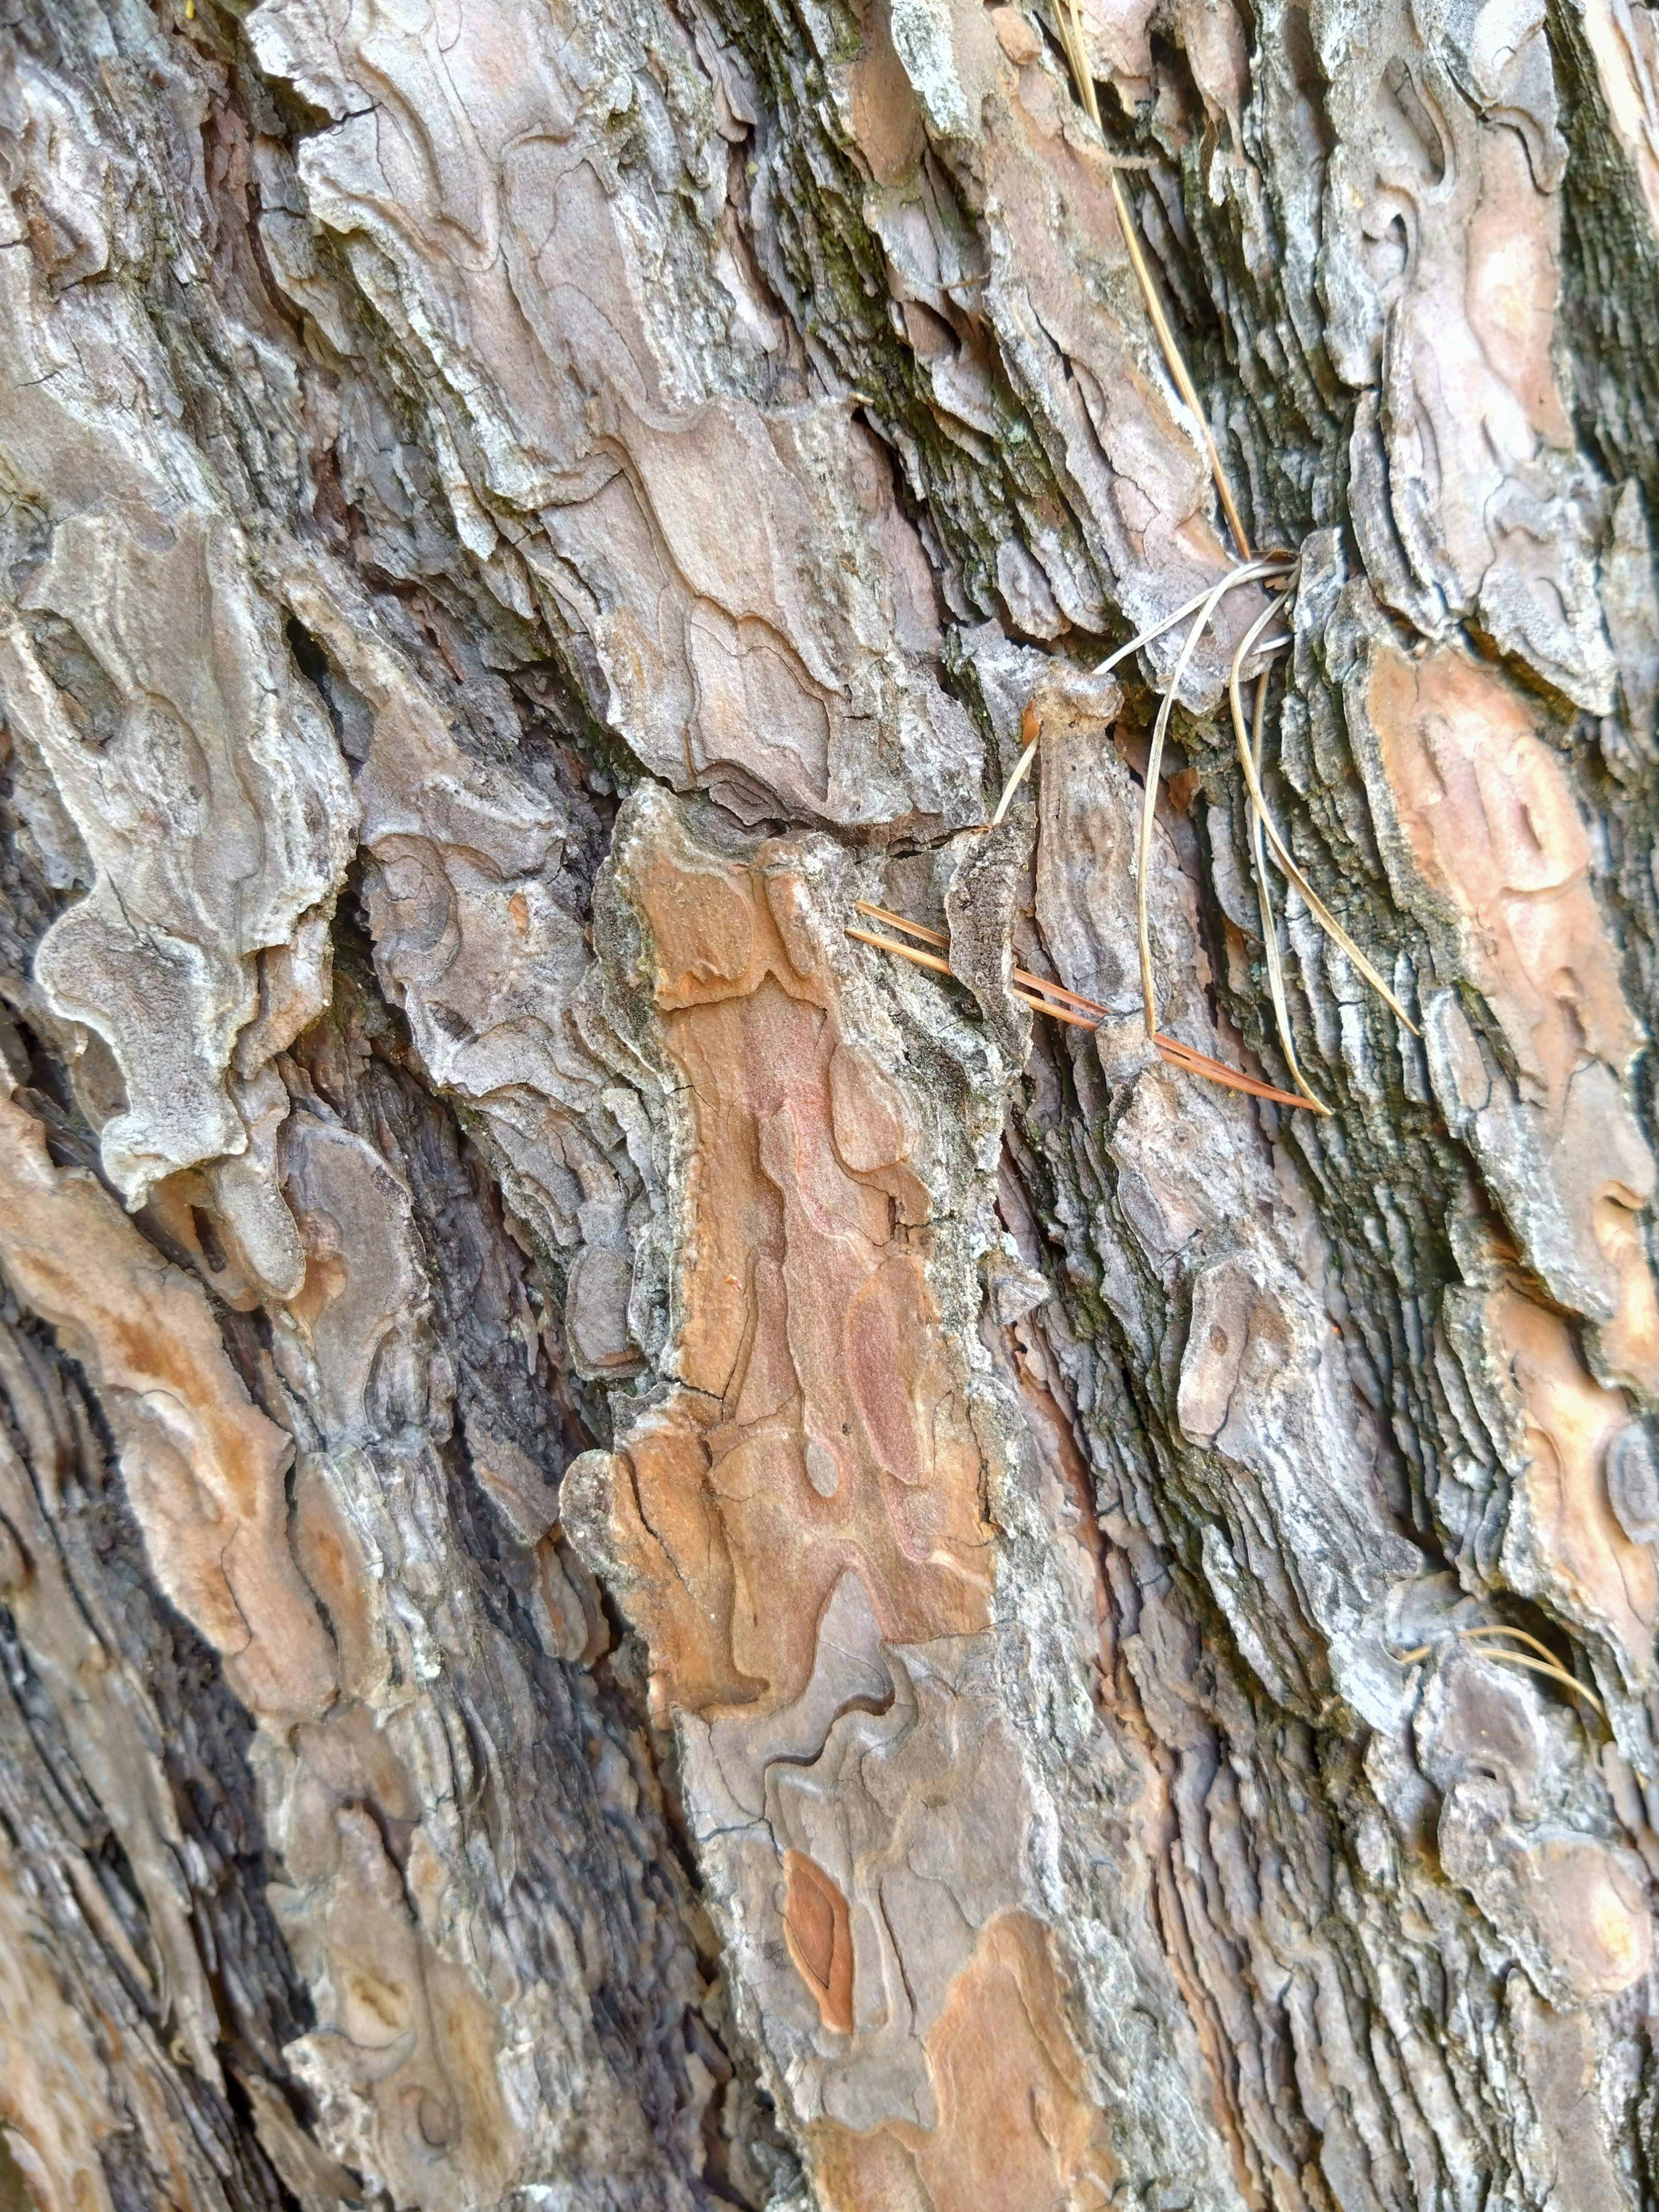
[1277, 572]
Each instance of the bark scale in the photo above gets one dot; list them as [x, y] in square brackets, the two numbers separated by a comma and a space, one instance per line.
[648, 1558]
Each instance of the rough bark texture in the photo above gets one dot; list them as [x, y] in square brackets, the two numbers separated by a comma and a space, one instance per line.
[648, 1559]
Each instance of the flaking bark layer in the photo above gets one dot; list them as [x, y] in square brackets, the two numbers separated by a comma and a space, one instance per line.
[650, 1558]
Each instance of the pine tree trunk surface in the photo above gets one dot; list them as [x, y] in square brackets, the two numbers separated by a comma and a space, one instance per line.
[651, 1559]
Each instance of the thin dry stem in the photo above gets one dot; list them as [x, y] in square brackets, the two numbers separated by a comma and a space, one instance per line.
[899, 921]
[1199, 1063]
[1020, 975]
[1054, 1013]
[1521, 1636]
[938, 967]
[905, 952]
[1547, 1665]
[1264, 830]
[1070, 18]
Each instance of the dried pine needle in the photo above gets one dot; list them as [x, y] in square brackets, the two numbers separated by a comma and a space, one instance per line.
[1030, 730]
[1321, 913]
[1521, 1636]
[1199, 1063]
[904, 951]
[1168, 1049]
[1070, 20]
[1054, 1013]
[1248, 572]
[1556, 1674]
[898, 921]
[1069, 16]
[1547, 1665]
[1021, 974]
[938, 967]
[1278, 569]
[1269, 926]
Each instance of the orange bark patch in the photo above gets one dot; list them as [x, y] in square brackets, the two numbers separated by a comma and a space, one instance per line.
[1493, 827]
[204, 1466]
[1570, 1421]
[818, 1933]
[812, 1492]
[1018, 2131]
[824, 1423]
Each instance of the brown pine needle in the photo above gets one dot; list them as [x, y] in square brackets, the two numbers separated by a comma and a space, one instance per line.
[1059, 991]
[1069, 18]
[1170, 1049]
[905, 952]
[1172, 353]
[1199, 1063]
[938, 967]
[1054, 1013]
[1552, 1665]
[1021, 974]
[897, 922]
[1521, 1636]
[935, 966]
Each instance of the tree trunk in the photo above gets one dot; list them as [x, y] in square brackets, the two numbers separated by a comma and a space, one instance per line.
[649, 1556]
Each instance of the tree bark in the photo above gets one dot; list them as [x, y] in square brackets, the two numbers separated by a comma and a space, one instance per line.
[650, 1558]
